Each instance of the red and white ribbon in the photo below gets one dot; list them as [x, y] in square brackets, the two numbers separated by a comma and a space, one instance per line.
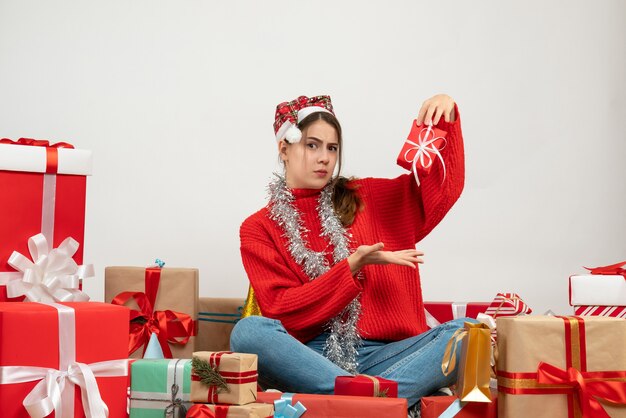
[55, 390]
[425, 151]
[51, 276]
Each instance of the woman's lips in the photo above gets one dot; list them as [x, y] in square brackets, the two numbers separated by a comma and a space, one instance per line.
[321, 173]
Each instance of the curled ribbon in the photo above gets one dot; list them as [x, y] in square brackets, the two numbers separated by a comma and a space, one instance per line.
[424, 150]
[613, 269]
[51, 276]
[587, 391]
[170, 327]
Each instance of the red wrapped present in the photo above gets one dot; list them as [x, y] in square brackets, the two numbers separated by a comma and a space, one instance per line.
[337, 406]
[435, 406]
[422, 149]
[507, 304]
[612, 311]
[365, 385]
[63, 360]
[43, 189]
[439, 312]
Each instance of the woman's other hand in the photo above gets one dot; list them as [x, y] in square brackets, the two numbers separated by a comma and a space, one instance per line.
[374, 254]
[435, 107]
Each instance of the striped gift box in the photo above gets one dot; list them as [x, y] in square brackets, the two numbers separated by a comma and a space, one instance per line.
[507, 304]
[612, 311]
[160, 387]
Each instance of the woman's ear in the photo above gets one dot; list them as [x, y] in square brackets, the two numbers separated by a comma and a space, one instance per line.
[282, 150]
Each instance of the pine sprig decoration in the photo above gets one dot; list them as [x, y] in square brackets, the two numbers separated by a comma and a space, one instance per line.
[208, 375]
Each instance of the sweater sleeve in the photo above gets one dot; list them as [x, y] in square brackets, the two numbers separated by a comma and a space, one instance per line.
[401, 205]
[287, 295]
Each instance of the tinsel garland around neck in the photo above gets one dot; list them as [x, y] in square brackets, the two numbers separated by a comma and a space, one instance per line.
[344, 339]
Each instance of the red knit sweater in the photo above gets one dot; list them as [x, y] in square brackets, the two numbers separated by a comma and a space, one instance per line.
[396, 212]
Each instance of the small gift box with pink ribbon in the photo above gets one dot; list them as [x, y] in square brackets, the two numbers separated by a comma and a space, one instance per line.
[224, 377]
[602, 286]
[422, 150]
[164, 301]
[43, 192]
[366, 385]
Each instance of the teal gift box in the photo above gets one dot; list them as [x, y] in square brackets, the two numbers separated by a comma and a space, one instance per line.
[160, 387]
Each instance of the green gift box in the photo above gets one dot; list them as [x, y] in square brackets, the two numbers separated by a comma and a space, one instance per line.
[160, 387]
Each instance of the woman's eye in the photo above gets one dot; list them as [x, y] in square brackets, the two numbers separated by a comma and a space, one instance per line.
[311, 145]
[333, 148]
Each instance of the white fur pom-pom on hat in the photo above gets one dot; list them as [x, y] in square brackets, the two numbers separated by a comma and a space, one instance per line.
[293, 134]
[289, 114]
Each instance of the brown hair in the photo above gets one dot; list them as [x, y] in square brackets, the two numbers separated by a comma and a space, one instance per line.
[345, 199]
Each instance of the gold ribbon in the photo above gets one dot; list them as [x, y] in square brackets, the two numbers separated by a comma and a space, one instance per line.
[377, 392]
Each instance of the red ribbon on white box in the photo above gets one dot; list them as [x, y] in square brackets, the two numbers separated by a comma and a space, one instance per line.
[55, 390]
[51, 276]
[424, 150]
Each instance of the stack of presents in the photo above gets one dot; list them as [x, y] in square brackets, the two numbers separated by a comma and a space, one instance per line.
[155, 349]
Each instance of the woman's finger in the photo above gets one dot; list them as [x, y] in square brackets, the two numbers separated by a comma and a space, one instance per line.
[438, 114]
[422, 113]
[428, 118]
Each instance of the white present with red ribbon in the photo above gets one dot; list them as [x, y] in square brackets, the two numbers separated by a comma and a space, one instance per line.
[604, 286]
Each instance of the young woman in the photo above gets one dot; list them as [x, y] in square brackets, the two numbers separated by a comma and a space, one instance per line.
[333, 263]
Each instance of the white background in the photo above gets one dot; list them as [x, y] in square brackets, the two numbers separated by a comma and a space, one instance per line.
[176, 99]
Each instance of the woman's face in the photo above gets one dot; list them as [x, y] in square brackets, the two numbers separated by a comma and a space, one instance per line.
[310, 163]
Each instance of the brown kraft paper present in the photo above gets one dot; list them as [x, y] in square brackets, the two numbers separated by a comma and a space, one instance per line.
[176, 290]
[233, 377]
[216, 319]
[551, 367]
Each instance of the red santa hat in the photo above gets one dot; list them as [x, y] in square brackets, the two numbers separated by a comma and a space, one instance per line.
[289, 114]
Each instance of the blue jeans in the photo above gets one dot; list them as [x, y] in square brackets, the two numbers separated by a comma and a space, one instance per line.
[287, 364]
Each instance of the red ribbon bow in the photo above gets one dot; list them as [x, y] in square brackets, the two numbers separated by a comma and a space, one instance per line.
[587, 390]
[36, 143]
[171, 327]
[608, 270]
[203, 411]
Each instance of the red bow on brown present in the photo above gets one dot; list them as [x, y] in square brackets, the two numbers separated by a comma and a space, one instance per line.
[171, 327]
